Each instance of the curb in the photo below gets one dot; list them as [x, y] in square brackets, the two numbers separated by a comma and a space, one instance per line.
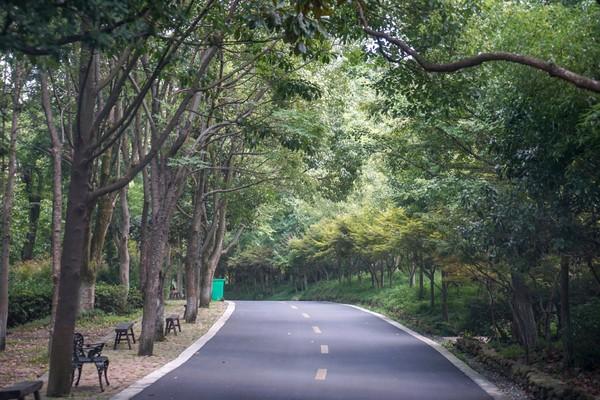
[475, 376]
[149, 379]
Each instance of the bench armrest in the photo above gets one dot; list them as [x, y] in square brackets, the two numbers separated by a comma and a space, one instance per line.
[94, 350]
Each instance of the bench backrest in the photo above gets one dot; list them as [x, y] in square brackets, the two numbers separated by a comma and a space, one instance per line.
[78, 346]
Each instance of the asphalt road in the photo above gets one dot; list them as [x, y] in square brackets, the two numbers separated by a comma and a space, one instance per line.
[312, 350]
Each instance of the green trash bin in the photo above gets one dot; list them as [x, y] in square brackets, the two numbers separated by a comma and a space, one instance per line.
[218, 288]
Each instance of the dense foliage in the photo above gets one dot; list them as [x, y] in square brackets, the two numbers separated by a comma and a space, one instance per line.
[485, 179]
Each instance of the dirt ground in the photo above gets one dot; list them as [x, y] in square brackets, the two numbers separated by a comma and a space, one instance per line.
[26, 355]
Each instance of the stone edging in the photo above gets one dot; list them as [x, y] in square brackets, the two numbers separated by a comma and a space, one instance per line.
[149, 379]
[541, 385]
[482, 382]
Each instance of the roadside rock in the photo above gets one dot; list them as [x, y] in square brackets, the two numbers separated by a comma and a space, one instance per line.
[541, 385]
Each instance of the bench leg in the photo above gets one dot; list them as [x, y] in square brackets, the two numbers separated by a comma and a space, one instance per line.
[79, 367]
[36, 395]
[128, 341]
[100, 379]
[106, 374]
[117, 340]
[132, 335]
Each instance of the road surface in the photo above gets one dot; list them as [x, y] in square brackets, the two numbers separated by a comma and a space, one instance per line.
[312, 350]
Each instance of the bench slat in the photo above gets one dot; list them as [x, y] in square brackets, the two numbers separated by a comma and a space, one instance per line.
[124, 326]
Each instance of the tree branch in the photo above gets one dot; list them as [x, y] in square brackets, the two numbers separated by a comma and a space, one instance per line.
[552, 69]
[234, 241]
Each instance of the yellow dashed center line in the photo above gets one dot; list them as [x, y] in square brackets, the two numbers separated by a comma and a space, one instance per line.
[305, 315]
[321, 374]
[324, 349]
[316, 329]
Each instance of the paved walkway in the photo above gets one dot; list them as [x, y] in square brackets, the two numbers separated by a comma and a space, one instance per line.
[313, 350]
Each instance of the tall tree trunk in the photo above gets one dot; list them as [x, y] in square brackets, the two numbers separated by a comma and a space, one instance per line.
[106, 206]
[421, 286]
[444, 295]
[159, 328]
[86, 288]
[523, 316]
[412, 270]
[206, 284]
[57, 203]
[8, 199]
[166, 191]
[77, 223]
[157, 241]
[565, 313]
[144, 248]
[215, 255]
[193, 256]
[432, 287]
[123, 242]
[33, 187]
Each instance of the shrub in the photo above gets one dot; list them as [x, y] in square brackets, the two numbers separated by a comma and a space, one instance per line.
[111, 299]
[30, 292]
[586, 332]
[512, 351]
[27, 301]
[477, 316]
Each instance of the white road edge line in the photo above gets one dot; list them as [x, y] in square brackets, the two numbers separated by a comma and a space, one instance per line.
[321, 374]
[305, 315]
[294, 307]
[475, 376]
[324, 349]
[149, 379]
[316, 329]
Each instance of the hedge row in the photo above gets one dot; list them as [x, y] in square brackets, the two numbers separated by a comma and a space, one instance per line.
[28, 300]
[31, 299]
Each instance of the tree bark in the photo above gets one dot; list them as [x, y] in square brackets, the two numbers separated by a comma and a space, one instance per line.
[57, 203]
[192, 258]
[33, 187]
[156, 239]
[565, 312]
[79, 207]
[167, 187]
[214, 255]
[523, 316]
[9, 191]
[421, 285]
[432, 287]
[123, 242]
[444, 295]
[106, 206]
[206, 285]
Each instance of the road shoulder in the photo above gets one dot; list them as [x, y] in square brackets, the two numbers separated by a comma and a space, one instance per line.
[149, 379]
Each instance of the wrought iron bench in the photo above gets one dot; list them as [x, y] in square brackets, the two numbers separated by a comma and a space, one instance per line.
[89, 354]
